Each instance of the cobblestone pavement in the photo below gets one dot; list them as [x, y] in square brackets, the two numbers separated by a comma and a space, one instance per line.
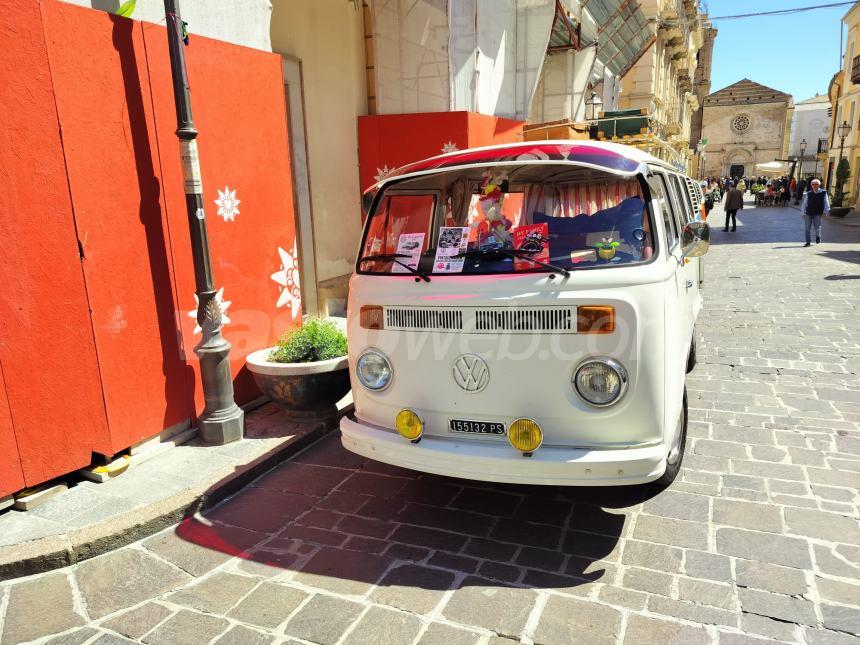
[757, 541]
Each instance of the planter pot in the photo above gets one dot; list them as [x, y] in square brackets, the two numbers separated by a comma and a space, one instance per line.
[840, 211]
[304, 390]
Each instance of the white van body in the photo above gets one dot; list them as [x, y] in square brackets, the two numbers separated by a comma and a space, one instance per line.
[477, 351]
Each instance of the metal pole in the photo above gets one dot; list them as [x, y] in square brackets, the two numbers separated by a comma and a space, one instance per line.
[222, 420]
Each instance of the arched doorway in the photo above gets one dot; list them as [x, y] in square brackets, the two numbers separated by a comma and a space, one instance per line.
[739, 162]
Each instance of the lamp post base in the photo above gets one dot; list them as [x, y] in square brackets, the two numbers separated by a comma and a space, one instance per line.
[223, 426]
[221, 421]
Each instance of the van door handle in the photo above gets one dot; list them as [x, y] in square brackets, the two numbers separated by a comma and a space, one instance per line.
[689, 283]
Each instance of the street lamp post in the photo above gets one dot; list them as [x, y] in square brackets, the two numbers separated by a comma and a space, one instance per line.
[800, 170]
[700, 148]
[222, 420]
[844, 129]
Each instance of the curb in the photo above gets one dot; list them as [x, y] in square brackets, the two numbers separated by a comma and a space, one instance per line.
[57, 551]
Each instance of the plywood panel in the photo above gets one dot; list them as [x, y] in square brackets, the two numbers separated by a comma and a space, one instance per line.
[46, 340]
[11, 475]
[393, 140]
[239, 109]
[98, 64]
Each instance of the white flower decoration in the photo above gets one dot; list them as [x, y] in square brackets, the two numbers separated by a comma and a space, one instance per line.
[449, 146]
[382, 172]
[228, 205]
[288, 279]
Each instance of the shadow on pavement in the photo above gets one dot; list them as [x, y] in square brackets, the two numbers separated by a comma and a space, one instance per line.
[342, 522]
[843, 256]
[842, 276]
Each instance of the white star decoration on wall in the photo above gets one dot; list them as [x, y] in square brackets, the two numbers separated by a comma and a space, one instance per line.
[288, 279]
[228, 205]
[224, 304]
[381, 172]
[449, 146]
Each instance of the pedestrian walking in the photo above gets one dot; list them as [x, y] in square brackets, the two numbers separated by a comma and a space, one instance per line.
[815, 204]
[734, 203]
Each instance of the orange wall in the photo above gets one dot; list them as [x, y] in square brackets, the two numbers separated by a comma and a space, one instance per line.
[392, 140]
[97, 349]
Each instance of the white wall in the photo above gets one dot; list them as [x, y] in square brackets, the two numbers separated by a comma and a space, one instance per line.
[242, 22]
[809, 122]
[327, 36]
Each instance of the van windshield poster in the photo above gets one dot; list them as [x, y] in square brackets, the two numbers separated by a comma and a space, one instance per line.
[453, 241]
[409, 244]
[533, 238]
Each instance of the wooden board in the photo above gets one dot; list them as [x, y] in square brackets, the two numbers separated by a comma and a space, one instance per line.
[46, 339]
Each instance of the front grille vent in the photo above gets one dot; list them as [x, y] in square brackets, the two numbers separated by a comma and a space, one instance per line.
[527, 319]
[424, 319]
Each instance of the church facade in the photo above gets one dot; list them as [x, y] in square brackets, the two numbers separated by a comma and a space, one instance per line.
[745, 124]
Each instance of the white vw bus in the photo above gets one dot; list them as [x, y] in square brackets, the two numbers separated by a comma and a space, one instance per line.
[525, 313]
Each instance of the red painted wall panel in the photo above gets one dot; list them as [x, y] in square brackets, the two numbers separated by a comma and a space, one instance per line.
[239, 108]
[98, 65]
[11, 475]
[81, 381]
[46, 338]
[392, 140]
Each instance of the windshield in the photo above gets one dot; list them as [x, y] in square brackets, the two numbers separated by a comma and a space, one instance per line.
[508, 219]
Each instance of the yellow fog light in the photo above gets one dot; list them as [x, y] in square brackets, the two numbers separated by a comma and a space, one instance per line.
[525, 435]
[409, 425]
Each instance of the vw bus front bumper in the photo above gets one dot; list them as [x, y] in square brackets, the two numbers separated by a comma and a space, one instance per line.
[498, 462]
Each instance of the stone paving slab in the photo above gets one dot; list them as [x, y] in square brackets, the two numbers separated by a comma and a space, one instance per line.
[92, 518]
[756, 542]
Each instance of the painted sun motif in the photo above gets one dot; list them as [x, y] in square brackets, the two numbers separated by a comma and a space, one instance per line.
[288, 279]
[449, 146]
[381, 172]
[223, 304]
[228, 205]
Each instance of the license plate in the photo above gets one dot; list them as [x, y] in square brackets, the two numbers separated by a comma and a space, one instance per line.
[476, 427]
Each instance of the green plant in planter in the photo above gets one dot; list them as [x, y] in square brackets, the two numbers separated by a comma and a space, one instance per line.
[843, 174]
[316, 340]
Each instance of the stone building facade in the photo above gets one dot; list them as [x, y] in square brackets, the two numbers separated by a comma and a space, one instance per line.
[661, 82]
[702, 81]
[745, 124]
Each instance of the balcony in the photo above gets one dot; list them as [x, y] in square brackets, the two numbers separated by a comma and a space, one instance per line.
[855, 70]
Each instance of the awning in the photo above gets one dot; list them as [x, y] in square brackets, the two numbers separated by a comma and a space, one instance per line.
[623, 33]
[772, 167]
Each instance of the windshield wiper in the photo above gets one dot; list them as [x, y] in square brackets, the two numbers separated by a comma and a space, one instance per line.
[395, 257]
[514, 253]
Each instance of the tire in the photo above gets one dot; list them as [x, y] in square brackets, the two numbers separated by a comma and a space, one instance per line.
[672, 469]
[691, 357]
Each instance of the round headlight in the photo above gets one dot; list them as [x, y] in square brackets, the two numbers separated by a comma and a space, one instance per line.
[373, 370]
[600, 381]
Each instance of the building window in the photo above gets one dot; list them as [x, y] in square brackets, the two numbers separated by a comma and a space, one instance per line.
[741, 123]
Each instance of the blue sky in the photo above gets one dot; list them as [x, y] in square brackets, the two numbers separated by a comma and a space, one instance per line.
[794, 53]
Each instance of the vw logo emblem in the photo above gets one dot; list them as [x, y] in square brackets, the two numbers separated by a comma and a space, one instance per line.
[471, 373]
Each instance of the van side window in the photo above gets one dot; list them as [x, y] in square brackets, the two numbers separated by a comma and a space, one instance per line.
[685, 199]
[660, 191]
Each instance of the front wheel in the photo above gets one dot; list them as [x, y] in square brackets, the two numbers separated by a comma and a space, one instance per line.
[676, 451]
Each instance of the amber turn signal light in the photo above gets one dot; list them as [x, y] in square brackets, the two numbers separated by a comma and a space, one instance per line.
[594, 319]
[371, 317]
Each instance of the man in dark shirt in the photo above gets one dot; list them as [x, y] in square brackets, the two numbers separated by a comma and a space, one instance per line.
[815, 204]
[734, 202]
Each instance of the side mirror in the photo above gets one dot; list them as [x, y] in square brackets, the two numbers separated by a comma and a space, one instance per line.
[695, 239]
